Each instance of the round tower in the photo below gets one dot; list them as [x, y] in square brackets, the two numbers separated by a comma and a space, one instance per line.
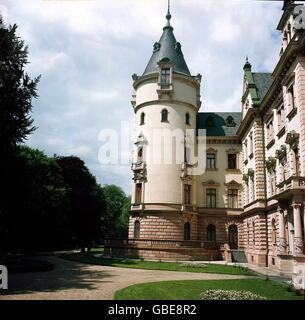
[166, 100]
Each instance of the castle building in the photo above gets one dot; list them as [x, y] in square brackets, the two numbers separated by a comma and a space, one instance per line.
[248, 203]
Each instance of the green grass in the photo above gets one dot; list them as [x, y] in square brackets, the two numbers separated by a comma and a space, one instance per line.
[155, 265]
[93, 250]
[191, 289]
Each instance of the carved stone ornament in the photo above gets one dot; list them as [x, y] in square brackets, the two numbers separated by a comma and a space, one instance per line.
[282, 244]
[298, 245]
[135, 77]
[251, 173]
[140, 172]
[271, 164]
[245, 177]
[292, 139]
[157, 46]
[178, 47]
[141, 140]
[281, 154]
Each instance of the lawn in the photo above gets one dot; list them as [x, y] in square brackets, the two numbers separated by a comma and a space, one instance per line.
[191, 289]
[155, 265]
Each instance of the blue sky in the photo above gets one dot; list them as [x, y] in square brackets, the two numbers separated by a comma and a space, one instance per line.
[86, 52]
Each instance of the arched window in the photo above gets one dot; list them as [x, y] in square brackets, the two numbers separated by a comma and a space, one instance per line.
[253, 232]
[164, 115]
[233, 236]
[142, 121]
[187, 118]
[187, 231]
[137, 229]
[211, 232]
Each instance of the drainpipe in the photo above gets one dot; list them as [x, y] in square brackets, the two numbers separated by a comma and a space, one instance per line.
[265, 191]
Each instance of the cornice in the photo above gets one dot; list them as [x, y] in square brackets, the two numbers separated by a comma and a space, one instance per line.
[169, 101]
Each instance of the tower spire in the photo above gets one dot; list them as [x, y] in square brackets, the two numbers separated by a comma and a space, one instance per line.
[168, 15]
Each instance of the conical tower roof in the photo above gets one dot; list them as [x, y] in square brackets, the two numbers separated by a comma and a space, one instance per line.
[169, 48]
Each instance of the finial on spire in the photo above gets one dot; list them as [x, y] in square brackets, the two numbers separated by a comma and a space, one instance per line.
[168, 16]
[247, 65]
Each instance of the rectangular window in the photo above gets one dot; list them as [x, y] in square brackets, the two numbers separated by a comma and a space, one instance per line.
[232, 163]
[211, 160]
[246, 149]
[165, 77]
[211, 198]
[270, 131]
[187, 194]
[281, 118]
[291, 98]
[138, 196]
[233, 198]
[251, 142]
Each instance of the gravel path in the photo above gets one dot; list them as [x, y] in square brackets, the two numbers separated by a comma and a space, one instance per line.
[71, 280]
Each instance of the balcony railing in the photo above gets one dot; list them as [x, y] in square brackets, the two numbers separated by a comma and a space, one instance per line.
[156, 243]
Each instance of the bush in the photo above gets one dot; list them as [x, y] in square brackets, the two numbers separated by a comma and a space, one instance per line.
[229, 295]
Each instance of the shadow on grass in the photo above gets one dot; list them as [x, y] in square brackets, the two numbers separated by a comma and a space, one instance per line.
[64, 276]
[157, 265]
[90, 259]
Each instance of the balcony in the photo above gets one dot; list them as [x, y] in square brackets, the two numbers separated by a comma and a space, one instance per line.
[294, 182]
[138, 165]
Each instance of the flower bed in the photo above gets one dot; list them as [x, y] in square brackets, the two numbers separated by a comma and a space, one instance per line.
[229, 295]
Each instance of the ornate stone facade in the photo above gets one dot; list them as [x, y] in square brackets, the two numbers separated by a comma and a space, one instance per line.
[251, 195]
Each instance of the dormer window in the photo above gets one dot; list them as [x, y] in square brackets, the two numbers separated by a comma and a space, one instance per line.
[230, 122]
[165, 77]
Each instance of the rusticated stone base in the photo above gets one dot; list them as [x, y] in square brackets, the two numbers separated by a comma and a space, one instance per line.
[256, 259]
[162, 250]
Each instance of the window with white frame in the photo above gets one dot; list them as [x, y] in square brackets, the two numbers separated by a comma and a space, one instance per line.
[211, 198]
[232, 198]
[165, 77]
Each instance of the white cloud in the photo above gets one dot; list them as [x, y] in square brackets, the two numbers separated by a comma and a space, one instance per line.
[87, 51]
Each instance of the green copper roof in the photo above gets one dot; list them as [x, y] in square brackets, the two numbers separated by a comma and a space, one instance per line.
[167, 47]
[263, 82]
[258, 83]
[219, 123]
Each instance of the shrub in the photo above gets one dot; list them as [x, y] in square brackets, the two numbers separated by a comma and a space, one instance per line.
[229, 295]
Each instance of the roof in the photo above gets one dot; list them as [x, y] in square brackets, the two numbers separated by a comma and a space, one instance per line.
[219, 123]
[167, 47]
[263, 82]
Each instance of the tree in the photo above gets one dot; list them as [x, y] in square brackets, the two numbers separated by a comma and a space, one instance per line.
[116, 219]
[16, 93]
[87, 203]
[16, 90]
[36, 219]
